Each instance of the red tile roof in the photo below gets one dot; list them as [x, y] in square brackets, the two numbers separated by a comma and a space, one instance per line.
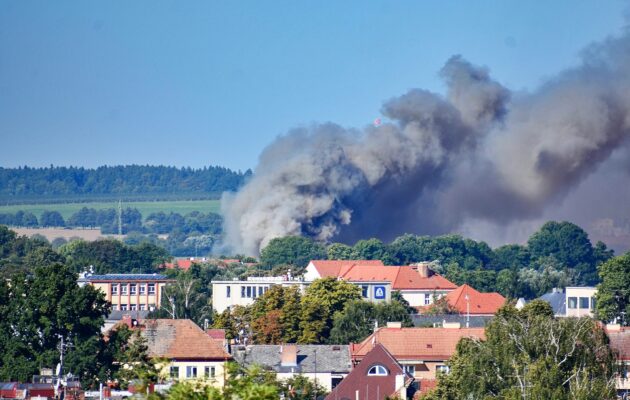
[480, 303]
[620, 342]
[181, 339]
[401, 277]
[327, 268]
[416, 343]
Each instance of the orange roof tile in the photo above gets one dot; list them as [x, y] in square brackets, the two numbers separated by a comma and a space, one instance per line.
[327, 268]
[416, 343]
[180, 339]
[409, 278]
[480, 303]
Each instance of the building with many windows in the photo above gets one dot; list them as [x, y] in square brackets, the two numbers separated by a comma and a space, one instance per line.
[226, 294]
[573, 301]
[129, 292]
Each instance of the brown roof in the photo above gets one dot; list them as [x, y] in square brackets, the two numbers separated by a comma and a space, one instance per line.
[480, 303]
[620, 342]
[416, 343]
[180, 339]
[373, 387]
[409, 278]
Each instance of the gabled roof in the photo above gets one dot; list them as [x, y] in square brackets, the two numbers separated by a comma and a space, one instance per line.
[180, 339]
[557, 300]
[416, 343]
[373, 387]
[480, 303]
[401, 277]
[326, 358]
[409, 278]
[327, 268]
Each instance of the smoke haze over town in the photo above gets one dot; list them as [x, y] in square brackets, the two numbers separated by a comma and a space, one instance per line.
[482, 160]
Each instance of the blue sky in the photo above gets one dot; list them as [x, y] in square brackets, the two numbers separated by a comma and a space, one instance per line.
[212, 83]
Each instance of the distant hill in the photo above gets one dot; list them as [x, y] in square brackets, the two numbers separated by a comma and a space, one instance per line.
[129, 182]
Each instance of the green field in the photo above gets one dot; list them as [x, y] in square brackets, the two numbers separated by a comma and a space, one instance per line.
[145, 207]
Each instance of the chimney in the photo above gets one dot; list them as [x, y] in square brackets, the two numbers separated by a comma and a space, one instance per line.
[451, 325]
[394, 325]
[288, 355]
[422, 268]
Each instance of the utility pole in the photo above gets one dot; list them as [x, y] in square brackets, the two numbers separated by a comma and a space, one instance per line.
[120, 217]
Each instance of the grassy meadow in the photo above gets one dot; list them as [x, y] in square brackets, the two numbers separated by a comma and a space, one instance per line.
[145, 207]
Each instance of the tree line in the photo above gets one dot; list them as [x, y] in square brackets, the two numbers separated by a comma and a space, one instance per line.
[26, 183]
[559, 254]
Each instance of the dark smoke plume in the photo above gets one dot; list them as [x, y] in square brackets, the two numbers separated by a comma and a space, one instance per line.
[480, 156]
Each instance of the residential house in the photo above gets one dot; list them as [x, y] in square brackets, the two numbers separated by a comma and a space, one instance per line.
[191, 352]
[417, 283]
[620, 344]
[377, 376]
[421, 351]
[129, 292]
[325, 364]
[467, 301]
[572, 301]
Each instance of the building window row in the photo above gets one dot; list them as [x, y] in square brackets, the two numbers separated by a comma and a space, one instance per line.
[130, 307]
[585, 303]
[251, 292]
[191, 372]
[132, 288]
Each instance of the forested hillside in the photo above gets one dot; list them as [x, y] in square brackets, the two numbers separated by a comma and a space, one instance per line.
[130, 181]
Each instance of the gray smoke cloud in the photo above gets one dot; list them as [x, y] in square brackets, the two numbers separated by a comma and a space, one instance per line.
[477, 158]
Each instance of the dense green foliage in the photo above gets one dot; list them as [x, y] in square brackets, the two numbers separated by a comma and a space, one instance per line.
[613, 293]
[330, 311]
[38, 310]
[559, 254]
[251, 383]
[113, 256]
[529, 354]
[294, 250]
[24, 183]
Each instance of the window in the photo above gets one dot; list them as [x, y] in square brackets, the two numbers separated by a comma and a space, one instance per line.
[133, 307]
[572, 302]
[174, 372]
[132, 288]
[410, 369]
[142, 307]
[191, 372]
[209, 372]
[249, 291]
[151, 288]
[254, 291]
[260, 291]
[242, 291]
[123, 289]
[377, 370]
[443, 369]
[115, 289]
[427, 299]
[142, 288]
[228, 291]
[123, 307]
[114, 307]
[364, 291]
[584, 303]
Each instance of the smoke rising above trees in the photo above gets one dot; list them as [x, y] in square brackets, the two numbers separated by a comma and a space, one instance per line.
[480, 155]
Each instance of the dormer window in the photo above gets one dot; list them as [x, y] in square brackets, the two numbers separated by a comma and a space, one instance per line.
[377, 370]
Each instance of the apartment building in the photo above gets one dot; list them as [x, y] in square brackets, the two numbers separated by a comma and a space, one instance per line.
[129, 292]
